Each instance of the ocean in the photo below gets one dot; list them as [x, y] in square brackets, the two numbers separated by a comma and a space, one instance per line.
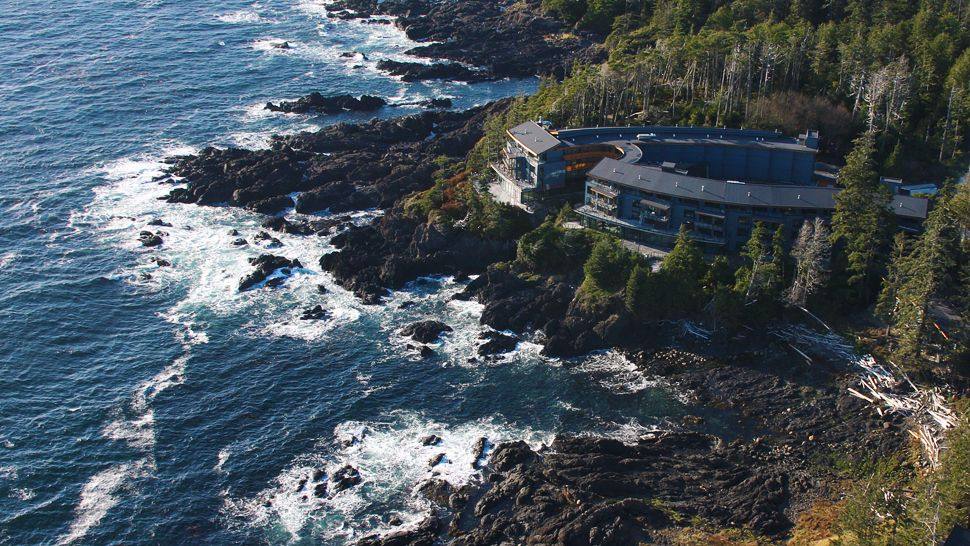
[142, 404]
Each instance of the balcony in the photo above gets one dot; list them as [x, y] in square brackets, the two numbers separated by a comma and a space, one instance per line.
[668, 233]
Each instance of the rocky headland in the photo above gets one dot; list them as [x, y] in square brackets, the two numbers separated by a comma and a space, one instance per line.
[340, 168]
[482, 39]
[788, 420]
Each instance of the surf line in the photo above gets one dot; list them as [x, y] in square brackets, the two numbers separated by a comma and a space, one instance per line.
[136, 427]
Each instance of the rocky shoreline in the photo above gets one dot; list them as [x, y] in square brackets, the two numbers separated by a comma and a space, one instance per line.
[341, 168]
[791, 420]
[797, 420]
[482, 39]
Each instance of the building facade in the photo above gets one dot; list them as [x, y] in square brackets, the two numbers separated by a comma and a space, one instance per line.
[644, 183]
[650, 204]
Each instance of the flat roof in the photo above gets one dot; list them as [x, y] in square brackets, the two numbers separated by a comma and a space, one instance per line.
[653, 179]
[533, 137]
[690, 136]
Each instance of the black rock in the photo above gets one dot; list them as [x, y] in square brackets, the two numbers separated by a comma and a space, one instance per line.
[161, 262]
[150, 239]
[240, 242]
[269, 240]
[275, 282]
[345, 478]
[159, 222]
[321, 289]
[320, 490]
[497, 343]
[427, 352]
[479, 451]
[316, 312]
[412, 72]
[439, 103]
[436, 490]
[271, 205]
[317, 103]
[265, 265]
[436, 460]
[425, 331]
[431, 440]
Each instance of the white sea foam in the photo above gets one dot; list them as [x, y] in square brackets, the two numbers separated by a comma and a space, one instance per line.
[221, 459]
[392, 463]
[7, 258]
[206, 269]
[242, 16]
[257, 140]
[317, 8]
[98, 495]
[613, 371]
[23, 494]
[205, 264]
[629, 432]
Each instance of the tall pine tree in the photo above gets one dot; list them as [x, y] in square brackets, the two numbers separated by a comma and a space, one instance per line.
[861, 223]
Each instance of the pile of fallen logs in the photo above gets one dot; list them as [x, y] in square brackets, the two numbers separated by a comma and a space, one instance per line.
[886, 387]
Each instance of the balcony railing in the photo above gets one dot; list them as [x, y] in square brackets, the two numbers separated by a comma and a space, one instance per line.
[671, 233]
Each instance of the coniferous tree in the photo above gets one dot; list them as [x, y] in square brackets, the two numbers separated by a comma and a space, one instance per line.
[640, 296]
[779, 257]
[861, 223]
[683, 270]
[925, 274]
[756, 278]
[812, 254]
[895, 276]
[607, 265]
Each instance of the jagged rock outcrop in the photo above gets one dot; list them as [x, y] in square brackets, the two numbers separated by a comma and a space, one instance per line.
[425, 331]
[343, 167]
[266, 265]
[398, 249]
[500, 38]
[333, 104]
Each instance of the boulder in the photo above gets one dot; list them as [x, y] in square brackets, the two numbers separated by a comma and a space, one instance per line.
[150, 239]
[496, 343]
[425, 331]
[266, 265]
[345, 478]
[317, 312]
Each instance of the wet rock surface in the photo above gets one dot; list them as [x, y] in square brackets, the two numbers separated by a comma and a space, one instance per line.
[413, 72]
[499, 38]
[317, 312]
[266, 265]
[425, 331]
[332, 104]
[496, 343]
[593, 491]
[398, 249]
[149, 239]
[345, 478]
[341, 168]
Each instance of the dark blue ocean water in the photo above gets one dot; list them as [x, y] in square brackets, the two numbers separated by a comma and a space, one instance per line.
[147, 405]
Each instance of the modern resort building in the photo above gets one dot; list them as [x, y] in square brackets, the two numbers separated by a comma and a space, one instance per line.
[644, 183]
